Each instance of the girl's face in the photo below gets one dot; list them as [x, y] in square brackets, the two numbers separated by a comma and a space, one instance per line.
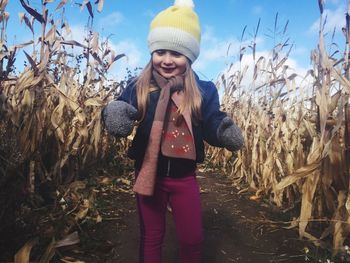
[169, 63]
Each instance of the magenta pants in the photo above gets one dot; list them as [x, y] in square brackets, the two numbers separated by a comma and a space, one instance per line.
[182, 194]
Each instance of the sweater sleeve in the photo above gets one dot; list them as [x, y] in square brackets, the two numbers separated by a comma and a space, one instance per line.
[211, 114]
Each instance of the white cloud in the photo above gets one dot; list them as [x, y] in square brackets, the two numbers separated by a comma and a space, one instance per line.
[333, 1]
[213, 48]
[111, 20]
[300, 51]
[218, 52]
[335, 19]
[248, 62]
[214, 52]
[131, 61]
[77, 33]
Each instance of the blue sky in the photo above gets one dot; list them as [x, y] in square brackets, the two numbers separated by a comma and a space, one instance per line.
[222, 23]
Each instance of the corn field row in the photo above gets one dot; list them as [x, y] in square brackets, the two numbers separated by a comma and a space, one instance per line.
[297, 137]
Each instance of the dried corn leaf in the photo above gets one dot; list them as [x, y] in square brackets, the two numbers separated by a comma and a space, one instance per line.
[84, 209]
[334, 101]
[69, 240]
[56, 120]
[49, 253]
[3, 4]
[76, 144]
[297, 175]
[340, 226]
[94, 102]
[345, 82]
[23, 255]
[61, 4]
[71, 260]
[32, 11]
[23, 17]
[73, 43]
[51, 35]
[308, 190]
[95, 42]
[4, 18]
[100, 5]
[77, 185]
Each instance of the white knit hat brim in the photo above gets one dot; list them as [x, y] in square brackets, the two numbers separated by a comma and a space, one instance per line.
[174, 39]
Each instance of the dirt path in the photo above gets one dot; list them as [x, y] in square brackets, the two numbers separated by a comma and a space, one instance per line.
[234, 228]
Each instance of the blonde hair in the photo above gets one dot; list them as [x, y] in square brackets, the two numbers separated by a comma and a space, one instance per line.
[192, 95]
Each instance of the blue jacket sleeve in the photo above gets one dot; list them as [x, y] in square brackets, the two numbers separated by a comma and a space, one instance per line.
[211, 114]
[129, 94]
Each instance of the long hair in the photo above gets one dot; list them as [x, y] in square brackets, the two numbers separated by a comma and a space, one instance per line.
[192, 95]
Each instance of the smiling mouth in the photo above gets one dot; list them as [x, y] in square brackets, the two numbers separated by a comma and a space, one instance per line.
[168, 70]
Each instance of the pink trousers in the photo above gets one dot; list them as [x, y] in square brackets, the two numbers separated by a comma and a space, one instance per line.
[182, 194]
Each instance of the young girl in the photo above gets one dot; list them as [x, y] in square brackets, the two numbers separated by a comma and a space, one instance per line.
[176, 112]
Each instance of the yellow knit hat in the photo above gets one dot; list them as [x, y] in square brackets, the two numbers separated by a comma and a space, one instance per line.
[176, 28]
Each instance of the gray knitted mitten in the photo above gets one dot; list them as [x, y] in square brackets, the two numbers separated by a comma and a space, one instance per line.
[230, 135]
[119, 118]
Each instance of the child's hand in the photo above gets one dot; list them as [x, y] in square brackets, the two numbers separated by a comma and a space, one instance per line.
[229, 135]
[119, 118]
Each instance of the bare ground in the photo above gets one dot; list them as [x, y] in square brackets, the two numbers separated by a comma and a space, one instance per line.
[236, 229]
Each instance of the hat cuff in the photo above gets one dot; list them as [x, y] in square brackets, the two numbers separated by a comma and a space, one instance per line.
[174, 39]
